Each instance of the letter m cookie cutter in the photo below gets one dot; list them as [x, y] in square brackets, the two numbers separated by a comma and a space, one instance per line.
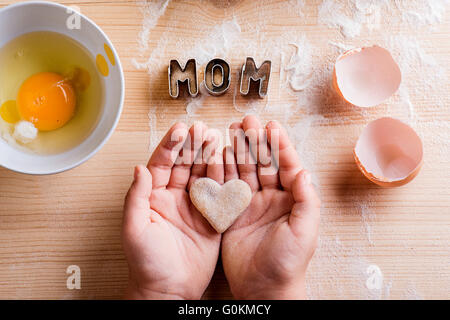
[179, 75]
[250, 73]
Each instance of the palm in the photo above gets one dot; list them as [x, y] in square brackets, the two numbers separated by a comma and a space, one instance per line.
[271, 243]
[172, 250]
[266, 234]
[186, 245]
[168, 241]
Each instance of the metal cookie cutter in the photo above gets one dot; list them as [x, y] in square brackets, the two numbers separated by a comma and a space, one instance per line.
[213, 87]
[178, 75]
[250, 73]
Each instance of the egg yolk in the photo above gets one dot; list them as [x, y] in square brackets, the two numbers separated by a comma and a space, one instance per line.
[9, 112]
[47, 100]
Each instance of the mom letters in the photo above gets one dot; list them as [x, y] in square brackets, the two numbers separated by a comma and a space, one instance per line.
[217, 77]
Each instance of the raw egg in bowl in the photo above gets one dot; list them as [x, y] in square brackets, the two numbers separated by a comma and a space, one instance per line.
[61, 88]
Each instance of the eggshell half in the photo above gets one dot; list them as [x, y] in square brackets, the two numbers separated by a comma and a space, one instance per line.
[367, 76]
[389, 152]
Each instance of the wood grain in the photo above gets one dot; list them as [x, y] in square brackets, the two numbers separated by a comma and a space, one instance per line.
[74, 218]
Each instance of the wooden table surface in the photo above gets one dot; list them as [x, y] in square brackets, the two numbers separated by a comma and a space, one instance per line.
[74, 218]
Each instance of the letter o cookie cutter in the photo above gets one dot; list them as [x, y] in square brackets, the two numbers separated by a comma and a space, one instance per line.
[211, 86]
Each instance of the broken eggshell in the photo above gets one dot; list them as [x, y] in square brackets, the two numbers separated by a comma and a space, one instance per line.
[366, 76]
[389, 152]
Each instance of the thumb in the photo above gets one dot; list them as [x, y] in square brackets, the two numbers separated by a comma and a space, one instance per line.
[137, 201]
[305, 215]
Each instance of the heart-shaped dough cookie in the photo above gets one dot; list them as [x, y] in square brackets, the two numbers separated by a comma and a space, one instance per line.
[220, 205]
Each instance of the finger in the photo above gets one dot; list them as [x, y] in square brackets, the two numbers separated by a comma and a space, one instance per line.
[305, 215]
[267, 169]
[246, 163]
[284, 153]
[215, 169]
[208, 149]
[181, 171]
[164, 157]
[137, 201]
[230, 166]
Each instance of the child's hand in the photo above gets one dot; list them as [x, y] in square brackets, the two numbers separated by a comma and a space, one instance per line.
[266, 252]
[171, 249]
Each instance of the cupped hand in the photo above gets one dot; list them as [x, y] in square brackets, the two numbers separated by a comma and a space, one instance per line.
[171, 249]
[265, 253]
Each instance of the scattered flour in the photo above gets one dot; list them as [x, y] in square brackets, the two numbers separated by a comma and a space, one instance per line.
[331, 14]
[154, 60]
[152, 123]
[360, 13]
[351, 16]
[420, 71]
[300, 67]
[341, 46]
[422, 13]
[297, 7]
[194, 104]
[152, 11]
[215, 44]
[405, 103]
[301, 135]
[247, 106]
[411, 293]
[305, 73]
[347, 270]
[367, 217]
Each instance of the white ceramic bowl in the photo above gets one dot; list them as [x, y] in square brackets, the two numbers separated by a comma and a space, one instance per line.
[22, 18]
